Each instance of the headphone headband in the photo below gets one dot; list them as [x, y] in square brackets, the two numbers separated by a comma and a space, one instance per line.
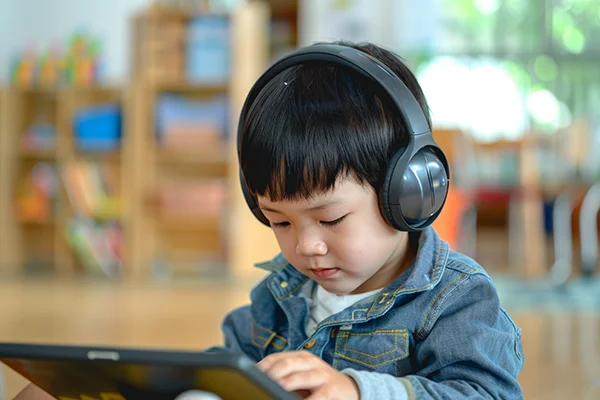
[415, 185]
[405, 103]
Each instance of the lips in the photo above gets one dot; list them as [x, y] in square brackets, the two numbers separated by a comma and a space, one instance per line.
[324, 272]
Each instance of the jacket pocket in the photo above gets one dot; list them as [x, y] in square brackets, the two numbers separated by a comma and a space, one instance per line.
[375, 351]
[266, 340]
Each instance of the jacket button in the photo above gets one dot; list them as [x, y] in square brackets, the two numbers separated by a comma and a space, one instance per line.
[333, 333]
[310, 344]
[283, 284]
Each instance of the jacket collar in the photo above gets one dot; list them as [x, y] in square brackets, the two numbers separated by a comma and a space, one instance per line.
[425, 272]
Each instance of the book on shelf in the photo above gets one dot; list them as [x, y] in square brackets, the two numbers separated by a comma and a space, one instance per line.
[36, 194]
[91, 189]
[39, 137]
[192, 201]
[208, 49]
[184, 124]
[98, 128]
[97, 245]
[94, 231]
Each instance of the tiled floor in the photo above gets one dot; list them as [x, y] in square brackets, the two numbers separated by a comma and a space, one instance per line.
[562, 347]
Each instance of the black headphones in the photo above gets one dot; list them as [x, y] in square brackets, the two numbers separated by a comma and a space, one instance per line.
[416, 182]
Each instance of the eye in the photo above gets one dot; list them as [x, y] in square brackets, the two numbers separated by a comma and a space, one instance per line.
[279, 224]
[334, 222]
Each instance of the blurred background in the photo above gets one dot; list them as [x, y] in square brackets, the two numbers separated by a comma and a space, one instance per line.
[121, 218]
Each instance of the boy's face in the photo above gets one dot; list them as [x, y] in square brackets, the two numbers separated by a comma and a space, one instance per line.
[339, 238]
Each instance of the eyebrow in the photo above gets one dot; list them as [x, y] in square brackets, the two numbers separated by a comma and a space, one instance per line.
[319, 207]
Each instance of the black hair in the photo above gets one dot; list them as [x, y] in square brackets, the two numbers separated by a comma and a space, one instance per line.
[314, 123]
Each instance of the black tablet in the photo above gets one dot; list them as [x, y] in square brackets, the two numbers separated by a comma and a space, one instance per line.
[90, 373]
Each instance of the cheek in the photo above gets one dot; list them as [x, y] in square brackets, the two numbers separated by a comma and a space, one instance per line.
[361, 251]
[365, 245]
[287, 245]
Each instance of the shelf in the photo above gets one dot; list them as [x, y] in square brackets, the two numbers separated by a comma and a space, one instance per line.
[283, 8]
[34, 90]
[140, 166]
[94, 88]
[186, 87]
[192, 223]
[100, 155]
[216, 158]
[32, 154]
[158, 11]
[39, 223]
[101, 218]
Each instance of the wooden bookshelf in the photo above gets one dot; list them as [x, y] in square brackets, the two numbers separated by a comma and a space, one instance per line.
[70, 154]
[8, 225]
[150, 236]
[156, 234]
[160, 233]
[25, 240]
[30, 240]
[39, 155]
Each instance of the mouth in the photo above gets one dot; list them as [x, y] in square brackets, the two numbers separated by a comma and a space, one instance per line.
[324, 272]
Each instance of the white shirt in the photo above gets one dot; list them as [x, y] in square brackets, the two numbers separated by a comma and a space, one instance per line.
[325, 304]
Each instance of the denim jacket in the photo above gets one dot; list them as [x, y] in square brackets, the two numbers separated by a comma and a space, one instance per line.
[436, 332]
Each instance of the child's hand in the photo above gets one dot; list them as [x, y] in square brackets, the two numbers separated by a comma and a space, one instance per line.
[304, 373]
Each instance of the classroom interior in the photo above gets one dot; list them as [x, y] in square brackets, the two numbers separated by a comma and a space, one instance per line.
[121, 216]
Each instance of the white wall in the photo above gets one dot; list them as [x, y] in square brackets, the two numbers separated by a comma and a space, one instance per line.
[6, 11]
[42, 22]
[395, 24]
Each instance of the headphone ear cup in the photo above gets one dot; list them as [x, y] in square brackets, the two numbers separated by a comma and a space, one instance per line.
[413, 197]
[252, 202]
[384, 205]
[423, 189]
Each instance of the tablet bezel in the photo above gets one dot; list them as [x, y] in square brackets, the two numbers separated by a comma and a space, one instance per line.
[143, 356]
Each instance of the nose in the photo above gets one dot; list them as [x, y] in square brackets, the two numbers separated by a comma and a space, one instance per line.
[310, 244]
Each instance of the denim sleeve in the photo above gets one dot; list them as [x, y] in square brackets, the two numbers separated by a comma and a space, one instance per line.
[472, 351]
[376, 386]
[236, 332]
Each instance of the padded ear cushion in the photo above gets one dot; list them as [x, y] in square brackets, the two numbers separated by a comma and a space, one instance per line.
[384, 191]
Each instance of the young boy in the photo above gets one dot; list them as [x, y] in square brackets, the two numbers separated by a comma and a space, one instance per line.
[355, 308]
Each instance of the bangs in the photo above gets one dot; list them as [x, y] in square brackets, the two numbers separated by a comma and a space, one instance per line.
[312, 125]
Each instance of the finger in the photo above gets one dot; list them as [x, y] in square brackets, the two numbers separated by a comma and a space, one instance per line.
[302, 393]
[269, 360]
[288, 365]
[272, 359]
[285, 354]
[303, 380]
[316, 396]
[321, 394]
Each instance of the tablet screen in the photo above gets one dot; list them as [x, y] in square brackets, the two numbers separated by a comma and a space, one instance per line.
[105, 380]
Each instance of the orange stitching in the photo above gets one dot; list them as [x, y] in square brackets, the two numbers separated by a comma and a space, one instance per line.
[253, 336]
[369, 355]
[293, 291]
[370, 365]
[437, 258]
[278, 347]
[433, 303]
[346, 335]
[409, 388]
